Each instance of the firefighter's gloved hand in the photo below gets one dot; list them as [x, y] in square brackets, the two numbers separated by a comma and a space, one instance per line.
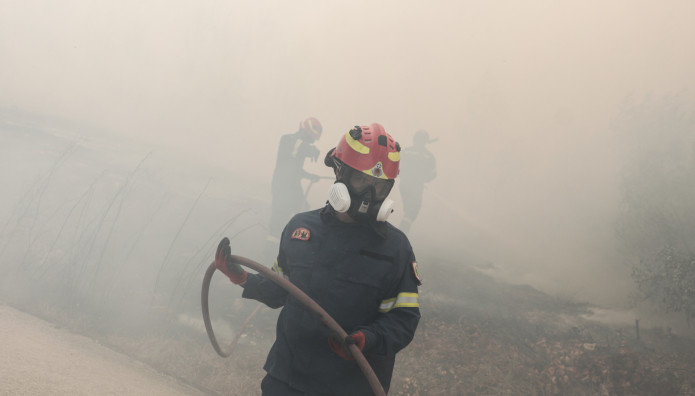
[342, 346]
[223, 262]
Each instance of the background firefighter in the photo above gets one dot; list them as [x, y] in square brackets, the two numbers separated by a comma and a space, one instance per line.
[352, 262]
[420, 168]
[287, 197]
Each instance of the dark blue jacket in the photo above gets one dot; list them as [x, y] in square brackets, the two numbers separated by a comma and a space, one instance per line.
[365, 282]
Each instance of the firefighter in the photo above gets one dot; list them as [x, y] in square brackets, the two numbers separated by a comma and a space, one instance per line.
[420, 169]
[287, 197]
[354, 264]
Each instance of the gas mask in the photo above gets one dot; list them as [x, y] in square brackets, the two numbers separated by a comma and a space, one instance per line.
[363, 197]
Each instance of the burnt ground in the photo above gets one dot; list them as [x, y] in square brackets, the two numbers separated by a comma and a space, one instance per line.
[478, 336]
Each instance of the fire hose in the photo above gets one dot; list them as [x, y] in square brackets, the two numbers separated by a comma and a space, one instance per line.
[325, 318]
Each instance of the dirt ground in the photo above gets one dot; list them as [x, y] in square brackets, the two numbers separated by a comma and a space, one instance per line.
[39, 358]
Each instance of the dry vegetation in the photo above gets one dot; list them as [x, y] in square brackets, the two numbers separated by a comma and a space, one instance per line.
[477, 337]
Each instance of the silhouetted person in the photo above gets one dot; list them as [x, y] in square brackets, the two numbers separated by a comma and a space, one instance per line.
[419, 167]
[287, 197]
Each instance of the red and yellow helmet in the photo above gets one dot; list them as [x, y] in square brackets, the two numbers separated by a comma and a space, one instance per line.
[370, 150]
[312, 127]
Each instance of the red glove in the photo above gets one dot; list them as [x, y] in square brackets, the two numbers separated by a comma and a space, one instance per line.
[342, 347]
[223, 262]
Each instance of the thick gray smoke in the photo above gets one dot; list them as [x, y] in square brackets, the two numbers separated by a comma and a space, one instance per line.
[522, 97]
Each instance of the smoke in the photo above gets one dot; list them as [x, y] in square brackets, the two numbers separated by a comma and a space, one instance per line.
[521, 96]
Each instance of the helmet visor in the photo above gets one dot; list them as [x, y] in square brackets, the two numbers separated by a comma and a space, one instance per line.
[361, 182]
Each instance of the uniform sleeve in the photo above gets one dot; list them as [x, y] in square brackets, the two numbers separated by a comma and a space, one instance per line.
[399, 315]
[260, 288]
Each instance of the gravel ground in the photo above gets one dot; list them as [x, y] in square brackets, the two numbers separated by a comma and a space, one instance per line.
[39, 358]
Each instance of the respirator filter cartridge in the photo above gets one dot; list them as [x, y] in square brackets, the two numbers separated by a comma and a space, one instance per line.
[339, 197]
[385, 210]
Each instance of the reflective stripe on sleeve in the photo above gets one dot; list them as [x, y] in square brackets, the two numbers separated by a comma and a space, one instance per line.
[402, 300]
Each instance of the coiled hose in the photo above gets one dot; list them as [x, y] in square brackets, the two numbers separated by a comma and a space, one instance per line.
[325, 318]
